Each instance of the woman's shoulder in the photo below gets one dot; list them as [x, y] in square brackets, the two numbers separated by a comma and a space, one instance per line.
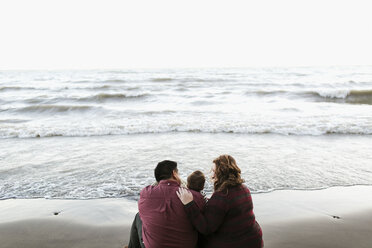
[239, 194]
[236, 188]
[231, 192]
[240, 189]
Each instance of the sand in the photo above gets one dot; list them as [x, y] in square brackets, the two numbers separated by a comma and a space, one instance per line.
[66, 223]
[335, 217]
[353, 230]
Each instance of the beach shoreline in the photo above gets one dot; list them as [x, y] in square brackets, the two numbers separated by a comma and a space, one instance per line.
[333, 217]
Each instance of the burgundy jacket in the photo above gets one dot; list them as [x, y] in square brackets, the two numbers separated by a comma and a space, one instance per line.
[228, 220]
[164, 221]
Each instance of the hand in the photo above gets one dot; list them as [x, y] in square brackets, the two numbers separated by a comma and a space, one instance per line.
[184, 195]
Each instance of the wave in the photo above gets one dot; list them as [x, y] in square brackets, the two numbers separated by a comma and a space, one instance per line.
[162, 79]
[41, 101]
[99, 88]
[15, 88]
[107, 81]
[80, 131]
[206, 80]
[113, 81]
[102, 97]
[336, 96]
[267, 92]
[10, 88]
[345, 96]
[192, 79]
[105, 87]
[54, 108]
[13, 121]
[106, 96]
[159, 112]
[361, 93]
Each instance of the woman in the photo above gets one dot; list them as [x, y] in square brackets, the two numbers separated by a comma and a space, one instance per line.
[228, 220]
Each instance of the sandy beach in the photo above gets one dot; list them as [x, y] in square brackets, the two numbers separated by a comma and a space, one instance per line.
[337, 217]
[334, 217]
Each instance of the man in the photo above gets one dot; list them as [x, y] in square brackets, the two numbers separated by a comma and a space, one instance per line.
[164, 221]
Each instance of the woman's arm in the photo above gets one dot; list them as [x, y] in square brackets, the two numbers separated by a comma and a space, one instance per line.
[213, 216]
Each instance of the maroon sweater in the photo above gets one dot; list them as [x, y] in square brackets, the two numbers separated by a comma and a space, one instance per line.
[164, 221]
[228, 220]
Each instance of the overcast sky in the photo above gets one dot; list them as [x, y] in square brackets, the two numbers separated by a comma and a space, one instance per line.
[79, 34]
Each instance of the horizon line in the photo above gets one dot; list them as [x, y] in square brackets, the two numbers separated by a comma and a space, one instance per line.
[183, 67]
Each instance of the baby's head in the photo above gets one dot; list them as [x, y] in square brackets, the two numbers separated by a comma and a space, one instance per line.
[196, 181]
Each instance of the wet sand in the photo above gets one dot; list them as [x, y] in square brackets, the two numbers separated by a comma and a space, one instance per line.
[352, 230]
[339, 217]
[335, 217]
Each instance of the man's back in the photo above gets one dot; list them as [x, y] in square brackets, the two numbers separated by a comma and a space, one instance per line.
[165, 223]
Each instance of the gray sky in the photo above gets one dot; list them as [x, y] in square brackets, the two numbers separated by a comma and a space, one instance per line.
[79, 34]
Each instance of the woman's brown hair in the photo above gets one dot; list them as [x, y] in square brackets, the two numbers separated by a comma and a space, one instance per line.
[227, 173]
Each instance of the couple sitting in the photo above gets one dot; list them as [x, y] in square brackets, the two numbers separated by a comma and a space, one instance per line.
[172, 216]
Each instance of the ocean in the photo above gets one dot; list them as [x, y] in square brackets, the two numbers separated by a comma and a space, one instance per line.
[100, 133]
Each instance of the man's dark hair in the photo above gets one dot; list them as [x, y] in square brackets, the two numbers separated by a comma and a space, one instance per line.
[164, 170]
[196, 181]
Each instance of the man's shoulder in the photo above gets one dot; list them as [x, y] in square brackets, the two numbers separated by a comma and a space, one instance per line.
[148, 189]
[156, 191]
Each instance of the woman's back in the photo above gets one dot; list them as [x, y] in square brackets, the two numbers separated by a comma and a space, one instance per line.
[238, 227]
[228, 220]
